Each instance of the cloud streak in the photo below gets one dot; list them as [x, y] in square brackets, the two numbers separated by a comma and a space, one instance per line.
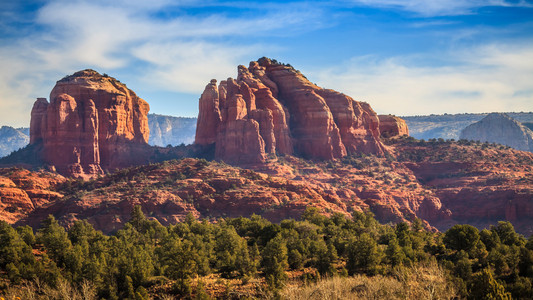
[488, 78]
[431, 8]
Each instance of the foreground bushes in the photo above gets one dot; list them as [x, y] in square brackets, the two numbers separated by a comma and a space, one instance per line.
[318, 255]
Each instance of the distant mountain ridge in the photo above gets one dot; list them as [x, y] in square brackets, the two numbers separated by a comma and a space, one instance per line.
[449, 126]
[12, 139]
[170, 130]
[502, 129]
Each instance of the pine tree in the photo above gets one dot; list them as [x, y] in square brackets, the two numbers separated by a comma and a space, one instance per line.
[484, 287]
[363, 255]
[55, 239]
[275, 262]
[394, 253]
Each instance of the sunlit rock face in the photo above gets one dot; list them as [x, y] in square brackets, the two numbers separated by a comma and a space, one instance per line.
[92, 123]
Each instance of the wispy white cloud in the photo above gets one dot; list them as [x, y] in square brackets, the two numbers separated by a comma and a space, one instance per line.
[488, 78]
[188, 66]
[178, 52]
[431, 8]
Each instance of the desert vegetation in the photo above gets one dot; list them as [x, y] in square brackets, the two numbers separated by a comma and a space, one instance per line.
[316, 257]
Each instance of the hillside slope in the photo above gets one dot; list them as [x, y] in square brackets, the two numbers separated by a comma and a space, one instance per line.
[442, 183]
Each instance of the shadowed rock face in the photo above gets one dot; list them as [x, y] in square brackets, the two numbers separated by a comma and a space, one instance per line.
[502, 129]
[272, 108]
[92, 122]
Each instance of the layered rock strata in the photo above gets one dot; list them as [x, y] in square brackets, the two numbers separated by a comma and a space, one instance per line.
[92, 123]
[272, 108]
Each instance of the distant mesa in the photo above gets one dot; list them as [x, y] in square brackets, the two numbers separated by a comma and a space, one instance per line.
[502, 129]
[92, 123]
[272, 108]
[449, 126]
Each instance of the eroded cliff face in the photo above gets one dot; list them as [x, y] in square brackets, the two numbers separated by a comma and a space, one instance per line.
[272, 108]
[92, 123]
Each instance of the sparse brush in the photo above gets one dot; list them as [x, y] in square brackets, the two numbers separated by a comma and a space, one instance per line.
[419, 282]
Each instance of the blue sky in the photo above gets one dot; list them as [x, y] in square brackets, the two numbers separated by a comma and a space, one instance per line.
[404, 57]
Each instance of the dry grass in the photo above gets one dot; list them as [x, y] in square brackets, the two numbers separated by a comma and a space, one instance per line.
[422, 282]
[64, 291]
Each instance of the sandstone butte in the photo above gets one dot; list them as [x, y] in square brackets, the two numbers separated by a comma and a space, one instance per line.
[272, 108]
[92, 123]
[390, 126]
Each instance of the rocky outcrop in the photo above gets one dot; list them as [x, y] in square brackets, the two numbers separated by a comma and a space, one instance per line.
[390, 126]
[21, 191]
[272, 108]
[92, 123]
[502, 129]
[169, 130]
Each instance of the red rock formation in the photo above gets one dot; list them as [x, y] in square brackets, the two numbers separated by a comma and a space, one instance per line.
[390, 126]
[38, 113]
[92, 122]
[293, 115]
[209, 115]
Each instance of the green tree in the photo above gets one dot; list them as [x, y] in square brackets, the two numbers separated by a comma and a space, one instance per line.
[275, 262]
[394, 253]
[461, 237]
[326, 257]
[12, 247]
[26, 233]
[489, 238]
[363, 255]
[55, 239]
[506, 233]
[231, 253]
[178, 257]
[484, 287]
[138, 220]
